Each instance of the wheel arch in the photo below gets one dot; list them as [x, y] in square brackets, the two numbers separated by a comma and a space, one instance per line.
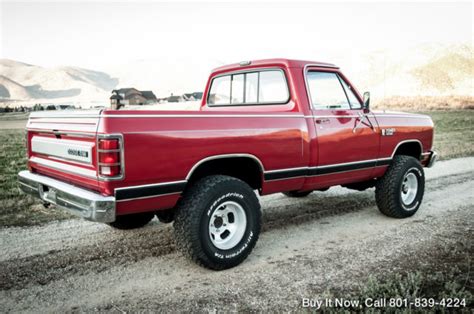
[245, 167]
[410, 147]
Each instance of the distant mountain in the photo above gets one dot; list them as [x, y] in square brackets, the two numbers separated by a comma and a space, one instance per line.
[426, 70]
[24, 82]
[10, 89]
[450, 73]
[423, 70]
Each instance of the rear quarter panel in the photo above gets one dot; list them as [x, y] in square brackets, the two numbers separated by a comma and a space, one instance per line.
[164, 146]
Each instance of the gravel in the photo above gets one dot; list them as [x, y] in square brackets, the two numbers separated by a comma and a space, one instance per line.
[329, 240]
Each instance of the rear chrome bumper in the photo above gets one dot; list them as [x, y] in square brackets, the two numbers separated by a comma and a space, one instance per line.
[80, 202]
[432, 159]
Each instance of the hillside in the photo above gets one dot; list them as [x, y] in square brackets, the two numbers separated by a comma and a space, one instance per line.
[10, 89]
[428, 70]
[21, 81]
[424, 72]
[450, 73]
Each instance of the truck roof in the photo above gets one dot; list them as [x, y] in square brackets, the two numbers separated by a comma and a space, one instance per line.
[289, 63]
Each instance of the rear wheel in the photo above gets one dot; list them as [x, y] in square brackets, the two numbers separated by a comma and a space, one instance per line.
[400, 191]
[218, 222]
[297, 193]
[131, 221]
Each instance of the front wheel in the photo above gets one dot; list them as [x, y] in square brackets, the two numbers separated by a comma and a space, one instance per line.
[217, 222]
[400, 191]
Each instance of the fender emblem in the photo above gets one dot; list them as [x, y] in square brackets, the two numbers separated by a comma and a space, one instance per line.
[388, 132]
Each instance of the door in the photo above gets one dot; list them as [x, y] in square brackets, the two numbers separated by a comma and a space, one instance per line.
[347, 142]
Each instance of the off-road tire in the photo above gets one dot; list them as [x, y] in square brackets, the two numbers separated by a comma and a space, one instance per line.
[388, 191]
[193, 215]
[132, 221]
[297, 194]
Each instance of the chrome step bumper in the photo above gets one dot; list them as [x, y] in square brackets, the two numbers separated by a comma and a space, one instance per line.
[432, 159]
[80, 202]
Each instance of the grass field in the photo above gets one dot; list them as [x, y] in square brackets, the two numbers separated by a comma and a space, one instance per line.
[17, 208]
[420, 103]
[454, 137]
[454, 133]
[444, 273]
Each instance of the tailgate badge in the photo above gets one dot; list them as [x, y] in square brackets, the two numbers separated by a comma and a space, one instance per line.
[78, 152]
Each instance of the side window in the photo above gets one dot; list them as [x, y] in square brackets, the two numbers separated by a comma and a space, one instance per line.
[220, 93]
[272, 87]
[252, 88]
[237, 90]
[326, 91]
[353, 100]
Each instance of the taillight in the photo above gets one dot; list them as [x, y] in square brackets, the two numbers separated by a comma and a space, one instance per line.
[27, 139]
[109, 158]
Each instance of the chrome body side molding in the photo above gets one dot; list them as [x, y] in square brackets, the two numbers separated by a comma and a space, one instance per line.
[292, 173]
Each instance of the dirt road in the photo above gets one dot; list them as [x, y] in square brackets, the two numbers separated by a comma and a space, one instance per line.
[326, 241]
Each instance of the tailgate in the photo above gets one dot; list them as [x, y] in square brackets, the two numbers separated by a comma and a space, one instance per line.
[62, 145]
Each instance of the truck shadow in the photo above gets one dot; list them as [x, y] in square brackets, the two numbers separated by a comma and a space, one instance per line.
[285, 211]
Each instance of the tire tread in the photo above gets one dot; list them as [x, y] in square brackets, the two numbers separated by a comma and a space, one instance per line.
[188, 217]
[386, 192]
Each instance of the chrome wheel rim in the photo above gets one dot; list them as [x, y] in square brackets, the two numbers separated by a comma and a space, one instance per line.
[409, 188]
[227, 225]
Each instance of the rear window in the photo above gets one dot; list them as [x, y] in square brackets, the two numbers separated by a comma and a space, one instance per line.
[250, 88]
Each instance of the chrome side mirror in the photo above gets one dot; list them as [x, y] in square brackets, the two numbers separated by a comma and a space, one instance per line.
[366, 104]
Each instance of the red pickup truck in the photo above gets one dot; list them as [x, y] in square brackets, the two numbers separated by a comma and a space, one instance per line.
[264, 127]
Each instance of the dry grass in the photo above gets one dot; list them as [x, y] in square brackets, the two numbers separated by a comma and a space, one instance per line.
[454, 133]
[441, 271]
[421, 103]
[17, 208]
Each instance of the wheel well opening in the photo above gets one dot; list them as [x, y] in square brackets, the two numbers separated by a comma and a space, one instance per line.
[243, 168]
[409, 149]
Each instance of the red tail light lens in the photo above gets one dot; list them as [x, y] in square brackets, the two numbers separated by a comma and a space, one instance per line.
[109, 157]
[109, 144]
[110, 163]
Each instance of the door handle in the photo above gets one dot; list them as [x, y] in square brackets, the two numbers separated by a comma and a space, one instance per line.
[322, 120]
